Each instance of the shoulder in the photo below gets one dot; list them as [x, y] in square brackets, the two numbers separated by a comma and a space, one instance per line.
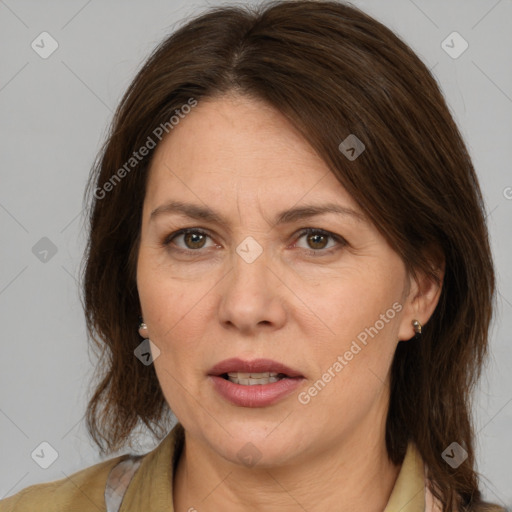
[80, 491]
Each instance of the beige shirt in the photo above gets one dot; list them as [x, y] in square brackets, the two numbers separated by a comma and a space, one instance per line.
[144, 484]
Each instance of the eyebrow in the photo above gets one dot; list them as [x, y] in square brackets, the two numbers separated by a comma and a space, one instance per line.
[205, 213]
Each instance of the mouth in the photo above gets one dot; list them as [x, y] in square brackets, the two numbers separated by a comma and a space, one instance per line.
[250, 373]
[256, 383]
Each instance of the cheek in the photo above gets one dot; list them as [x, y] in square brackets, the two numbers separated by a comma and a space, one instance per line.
[352, 364]
[360, 318]
[175, 310]
[168, 300]
[181, 334]
[350, 307]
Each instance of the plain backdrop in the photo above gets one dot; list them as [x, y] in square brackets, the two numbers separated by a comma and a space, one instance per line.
[54, 116]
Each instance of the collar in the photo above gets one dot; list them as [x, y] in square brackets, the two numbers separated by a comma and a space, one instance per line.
[408, 494]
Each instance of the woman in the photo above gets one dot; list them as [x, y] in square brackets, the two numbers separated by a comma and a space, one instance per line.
[288, 250]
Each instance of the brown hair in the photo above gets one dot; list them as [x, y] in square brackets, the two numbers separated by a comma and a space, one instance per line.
[332, 71]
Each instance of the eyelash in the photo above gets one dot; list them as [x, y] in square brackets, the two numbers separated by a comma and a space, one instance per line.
[306, 231]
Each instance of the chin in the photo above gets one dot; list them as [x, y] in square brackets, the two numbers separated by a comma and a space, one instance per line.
[258, 444]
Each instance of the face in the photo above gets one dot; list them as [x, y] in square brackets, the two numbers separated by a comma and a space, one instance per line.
[322, 294]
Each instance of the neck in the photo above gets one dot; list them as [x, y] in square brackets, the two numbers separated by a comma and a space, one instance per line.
[354, 475]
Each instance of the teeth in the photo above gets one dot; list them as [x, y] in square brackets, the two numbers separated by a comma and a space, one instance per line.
[244, 375]
[252, 379]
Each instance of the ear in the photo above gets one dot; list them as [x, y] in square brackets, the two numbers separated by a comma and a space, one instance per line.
[423, 297]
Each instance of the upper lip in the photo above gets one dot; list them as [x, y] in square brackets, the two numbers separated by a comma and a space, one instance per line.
[253, 366]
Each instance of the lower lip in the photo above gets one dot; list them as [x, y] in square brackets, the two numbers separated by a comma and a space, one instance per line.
[258, 395]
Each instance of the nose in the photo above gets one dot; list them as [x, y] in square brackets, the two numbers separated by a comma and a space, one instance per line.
[250, 297]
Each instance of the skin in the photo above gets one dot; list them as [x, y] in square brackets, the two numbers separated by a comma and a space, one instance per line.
[296, 304]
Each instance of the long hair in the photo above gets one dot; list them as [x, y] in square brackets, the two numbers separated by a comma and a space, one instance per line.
[332, 71]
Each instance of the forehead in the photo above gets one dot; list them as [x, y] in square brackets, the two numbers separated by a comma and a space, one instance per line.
[239, 147]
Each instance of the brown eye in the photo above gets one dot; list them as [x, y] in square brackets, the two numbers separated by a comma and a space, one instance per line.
[194, 240]
[317, 241]
[187, 240]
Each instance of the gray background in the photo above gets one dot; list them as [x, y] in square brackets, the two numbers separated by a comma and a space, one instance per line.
[54, 115]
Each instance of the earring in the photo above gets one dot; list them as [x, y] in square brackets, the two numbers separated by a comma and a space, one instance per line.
[147, 351]
[142, 327]
[417, 328]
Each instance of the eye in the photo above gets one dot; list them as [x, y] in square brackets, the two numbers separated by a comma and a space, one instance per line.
[318, 241]
[193, 239]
